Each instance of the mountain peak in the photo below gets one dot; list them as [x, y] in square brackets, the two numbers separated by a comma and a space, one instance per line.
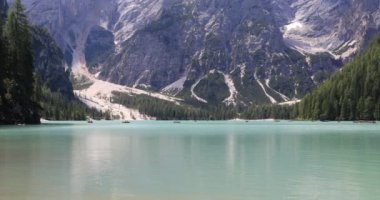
[287, 47]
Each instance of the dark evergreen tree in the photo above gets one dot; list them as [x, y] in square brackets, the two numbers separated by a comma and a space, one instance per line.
[19, 103]
[3, 60]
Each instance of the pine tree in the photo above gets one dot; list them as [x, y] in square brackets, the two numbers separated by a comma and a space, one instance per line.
[20, 78]
[369, 107]
[377, 111]
[3, 59]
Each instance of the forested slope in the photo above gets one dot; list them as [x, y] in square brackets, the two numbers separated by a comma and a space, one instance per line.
[351, 94]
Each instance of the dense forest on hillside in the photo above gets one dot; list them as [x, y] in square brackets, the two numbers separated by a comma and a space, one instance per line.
[351, 94]
[268, 112]
[56, 106]
[164, 110]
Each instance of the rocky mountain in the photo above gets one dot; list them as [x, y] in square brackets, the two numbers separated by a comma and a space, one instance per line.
[339, 27]
[218, 51]
[49, 63]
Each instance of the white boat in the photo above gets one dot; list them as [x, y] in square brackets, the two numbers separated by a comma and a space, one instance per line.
[89, 120]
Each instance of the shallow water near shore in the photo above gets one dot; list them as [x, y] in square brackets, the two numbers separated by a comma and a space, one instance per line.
[152, 160]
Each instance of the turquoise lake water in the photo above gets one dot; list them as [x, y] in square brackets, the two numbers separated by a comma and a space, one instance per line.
[190, 161]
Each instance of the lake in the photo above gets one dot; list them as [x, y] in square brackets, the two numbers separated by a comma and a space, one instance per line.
[190, 161]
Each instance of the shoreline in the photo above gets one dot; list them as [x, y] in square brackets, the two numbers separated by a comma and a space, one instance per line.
[47, 122]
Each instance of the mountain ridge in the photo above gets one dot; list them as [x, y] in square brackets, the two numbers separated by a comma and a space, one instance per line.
[169, 45]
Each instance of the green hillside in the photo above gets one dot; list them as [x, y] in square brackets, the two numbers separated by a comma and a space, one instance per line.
[351, 94]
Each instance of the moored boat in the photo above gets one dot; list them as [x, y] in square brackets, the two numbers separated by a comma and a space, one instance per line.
[89, 120]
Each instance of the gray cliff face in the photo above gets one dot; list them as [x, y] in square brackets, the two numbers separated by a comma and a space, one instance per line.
[267, 50]
[191, 39]
[340, 27]
[69, 21]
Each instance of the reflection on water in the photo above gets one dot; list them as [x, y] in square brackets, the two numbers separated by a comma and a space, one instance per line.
[90, 161]
[230, 153]
[193, 161]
